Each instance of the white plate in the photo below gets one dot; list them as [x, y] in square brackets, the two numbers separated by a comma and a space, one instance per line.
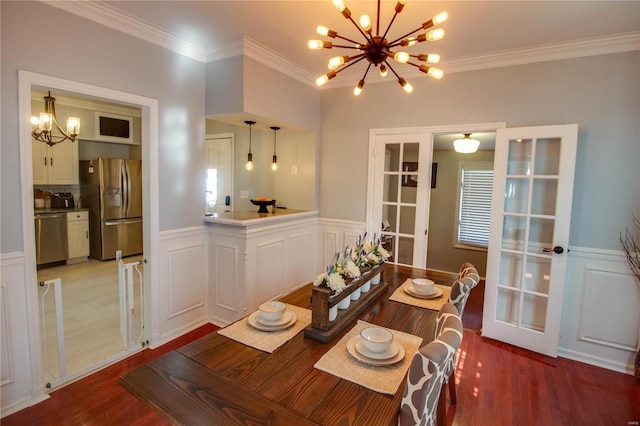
[389, 353]
[284, 319]
[351, 348]
[257, 325]
[411, 291]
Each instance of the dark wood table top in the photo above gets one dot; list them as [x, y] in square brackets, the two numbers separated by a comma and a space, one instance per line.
[216, 380]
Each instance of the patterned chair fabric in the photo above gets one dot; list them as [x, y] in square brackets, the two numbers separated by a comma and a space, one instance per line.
[468, 270]
[460, 293]
[427, 373]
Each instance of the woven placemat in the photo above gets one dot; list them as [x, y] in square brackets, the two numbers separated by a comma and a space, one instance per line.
[267, 341]
[383, 379]
[434, 304]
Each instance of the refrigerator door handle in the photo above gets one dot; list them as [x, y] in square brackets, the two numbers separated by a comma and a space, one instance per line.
[128, 172]
[121, 222]
[124, 186]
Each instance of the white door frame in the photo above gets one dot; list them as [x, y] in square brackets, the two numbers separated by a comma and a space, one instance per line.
[26, 80]
[429, 131]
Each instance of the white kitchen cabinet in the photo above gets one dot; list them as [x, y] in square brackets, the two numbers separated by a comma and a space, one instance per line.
[78, 235]
[55, 165]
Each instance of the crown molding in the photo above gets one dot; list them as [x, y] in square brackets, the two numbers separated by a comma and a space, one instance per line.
[99, 12]
[618, 43]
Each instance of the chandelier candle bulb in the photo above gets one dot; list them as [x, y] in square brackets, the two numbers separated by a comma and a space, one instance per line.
[358, 88]
[383, 71]
[365, 23]
[337, 61]
[73, 126]
[402, 57]
[324, 31]
[400, 5]
[45, 122]
[434, 35]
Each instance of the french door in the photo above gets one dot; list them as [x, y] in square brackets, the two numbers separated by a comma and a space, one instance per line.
[530, 218]
[401, 195]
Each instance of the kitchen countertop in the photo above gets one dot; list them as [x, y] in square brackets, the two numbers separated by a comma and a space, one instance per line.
[253, 218]
[45, 211]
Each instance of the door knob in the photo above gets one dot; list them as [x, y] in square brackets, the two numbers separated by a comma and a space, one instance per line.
[556, 250]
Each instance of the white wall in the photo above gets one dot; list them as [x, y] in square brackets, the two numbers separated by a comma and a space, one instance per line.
[599, 93]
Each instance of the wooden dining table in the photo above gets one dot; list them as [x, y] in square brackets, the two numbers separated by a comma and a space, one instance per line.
[218, 381]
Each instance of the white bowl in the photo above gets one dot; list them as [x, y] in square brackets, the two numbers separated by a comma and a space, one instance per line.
[423, 285]
[272, 310]
[376, 339]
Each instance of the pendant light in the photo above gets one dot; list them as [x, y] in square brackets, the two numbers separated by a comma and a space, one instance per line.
[274, 163]
[249, 165]
[466, 145]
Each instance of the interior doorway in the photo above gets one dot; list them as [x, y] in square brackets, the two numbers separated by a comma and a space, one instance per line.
[149, 113]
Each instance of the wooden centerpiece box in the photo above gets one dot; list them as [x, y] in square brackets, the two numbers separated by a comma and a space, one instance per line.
[323, 299]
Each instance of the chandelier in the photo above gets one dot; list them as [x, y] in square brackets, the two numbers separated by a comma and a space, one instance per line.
[41, 127]
[377, 50]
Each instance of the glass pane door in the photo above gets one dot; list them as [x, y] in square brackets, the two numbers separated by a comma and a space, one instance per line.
[401, 196]
[529, 235]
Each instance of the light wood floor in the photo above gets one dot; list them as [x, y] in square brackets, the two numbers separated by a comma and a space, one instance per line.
[91, 315]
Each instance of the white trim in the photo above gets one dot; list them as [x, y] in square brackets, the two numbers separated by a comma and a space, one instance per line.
[108, 16]
[27, 80]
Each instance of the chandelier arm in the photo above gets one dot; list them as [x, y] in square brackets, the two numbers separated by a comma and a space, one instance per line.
[360, 29]
[391, 23]
[344, 67]
[378, 20]
[396, 41]
[391, 68]
[366, 72]
[347, 39]
[347, 47]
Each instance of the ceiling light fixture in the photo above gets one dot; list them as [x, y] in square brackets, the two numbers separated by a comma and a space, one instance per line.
[41, 127]
[466, 145]
[249, 165]
[376, 49]
[274, 163]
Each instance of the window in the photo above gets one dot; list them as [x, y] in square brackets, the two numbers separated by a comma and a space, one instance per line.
[474, 205]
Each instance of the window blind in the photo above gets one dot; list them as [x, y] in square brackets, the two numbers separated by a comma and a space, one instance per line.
[475, 203]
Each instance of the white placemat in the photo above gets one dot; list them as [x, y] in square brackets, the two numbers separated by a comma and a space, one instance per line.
[383, 379]
[267, 341]
[434, 304]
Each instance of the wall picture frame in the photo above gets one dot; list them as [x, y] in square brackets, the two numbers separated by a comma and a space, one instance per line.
[412, 180]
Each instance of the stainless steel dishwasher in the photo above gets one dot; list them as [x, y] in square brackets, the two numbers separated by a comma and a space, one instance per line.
[51, 237]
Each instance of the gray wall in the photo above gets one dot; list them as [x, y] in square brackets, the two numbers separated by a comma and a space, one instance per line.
[600, 94]
[83, 51]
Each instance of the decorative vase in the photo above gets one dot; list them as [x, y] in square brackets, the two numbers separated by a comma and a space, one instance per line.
[366, 286]
[356, 294]
[333, 313]
[344, 303]
[376, 280]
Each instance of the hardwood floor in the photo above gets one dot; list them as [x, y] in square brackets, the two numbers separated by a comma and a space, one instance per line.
[91, 313]
[498, 384]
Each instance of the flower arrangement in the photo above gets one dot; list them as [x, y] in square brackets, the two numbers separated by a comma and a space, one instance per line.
[331, 278]
[376, 254]
[347, 265]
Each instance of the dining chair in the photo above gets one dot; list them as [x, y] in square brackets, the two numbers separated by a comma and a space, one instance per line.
[460, 290]
[423, 402]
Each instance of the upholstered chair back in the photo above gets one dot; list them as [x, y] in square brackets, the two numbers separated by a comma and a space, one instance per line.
[460, 293]
[427, 371]
[468, 270]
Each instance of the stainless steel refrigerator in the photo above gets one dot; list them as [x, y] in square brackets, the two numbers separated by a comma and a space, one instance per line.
[111, 188]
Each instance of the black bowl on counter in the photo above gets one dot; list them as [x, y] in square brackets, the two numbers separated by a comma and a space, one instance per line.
[263, 204]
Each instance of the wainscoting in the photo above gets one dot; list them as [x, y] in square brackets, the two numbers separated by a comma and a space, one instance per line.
[601, 310]
[600, 323]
